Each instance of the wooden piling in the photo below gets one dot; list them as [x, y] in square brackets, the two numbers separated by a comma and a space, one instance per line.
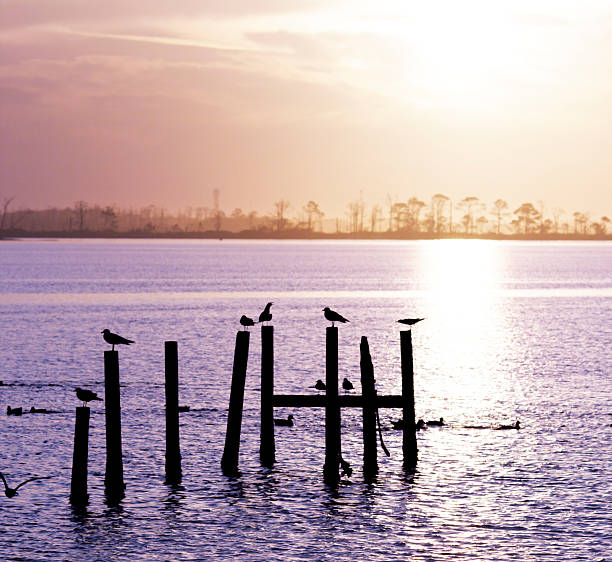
[370, 461]
[409, 441]
[267, 449]
[229, 460]
[332, 409]
[173, 449]
[113, 480]
[78, 482]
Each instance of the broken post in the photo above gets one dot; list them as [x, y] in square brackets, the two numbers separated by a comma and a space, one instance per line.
[78, 482]
[229, 460]
[113, 480]
[173, 449]
[409, 441]
[370, 461]
[332, 409]
[267, 448]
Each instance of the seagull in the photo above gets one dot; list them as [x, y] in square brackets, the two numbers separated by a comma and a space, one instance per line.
[12, 492]
[266, 315]
[333, 316]
[410, 321]
[319, 385]
[347, 384]
[246, 321]
[115, 339]
[517, 425]
[286, 423]
[439, 422]
[85, 395]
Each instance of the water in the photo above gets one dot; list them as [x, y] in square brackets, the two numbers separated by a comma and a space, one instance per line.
[512, 331]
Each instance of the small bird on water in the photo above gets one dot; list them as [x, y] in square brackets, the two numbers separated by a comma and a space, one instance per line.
[410, 321]
[333, 316]
[516, 425]
[115, 339]
[347, 384]
[12, 492]
[85, 395]
[284, 423]
[319, 385]
[266, 315]
[246, 321]
[439, 422]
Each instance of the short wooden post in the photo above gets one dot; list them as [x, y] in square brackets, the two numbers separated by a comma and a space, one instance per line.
[332, 409]
[173, 449]
[409, 441]
[78, 483]
[370, 461]
[113, 480]
[229, 460]
[266, 445]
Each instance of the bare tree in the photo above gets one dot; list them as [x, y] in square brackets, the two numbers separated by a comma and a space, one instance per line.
[313, 213]
[280, 207]
[469, 204]
[499, 210]
[80, 208]
[6, 201]
[438, 202]
[414, 208]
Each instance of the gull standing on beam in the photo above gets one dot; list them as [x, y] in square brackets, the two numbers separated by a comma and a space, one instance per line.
[410, 321]
[266, 315]
[333, 316]
[246, 321]
[115, 339]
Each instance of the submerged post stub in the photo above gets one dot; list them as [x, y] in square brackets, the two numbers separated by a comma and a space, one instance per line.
[333, 451]
[229, 460]
[267, 447]
[370, 460]
[409, 441]
[78, 482]
[113, 479]
[173, 449]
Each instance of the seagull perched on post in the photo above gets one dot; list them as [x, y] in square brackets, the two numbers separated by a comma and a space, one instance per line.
[266, 315]
[115, 339]
[319, 385]
[246, 321]
[12, 492]
[333, 316]
[85, 395]
[410, 321]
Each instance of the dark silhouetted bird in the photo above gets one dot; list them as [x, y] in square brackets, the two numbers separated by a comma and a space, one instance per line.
[333, 316]
[184, 408]
[517, 425]
[85, 395]
[14, 411]
[319, 385]
[246, 321]
[347, 384]
[284, 423]
[410, 321]
[115, 339]
[439, 422]
[12, 492]
[266, 315]
[399, 424]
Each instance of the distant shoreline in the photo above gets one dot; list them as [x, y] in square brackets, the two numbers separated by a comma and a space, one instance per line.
[293, 235]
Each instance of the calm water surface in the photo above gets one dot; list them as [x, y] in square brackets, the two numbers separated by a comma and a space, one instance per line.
[513, 331]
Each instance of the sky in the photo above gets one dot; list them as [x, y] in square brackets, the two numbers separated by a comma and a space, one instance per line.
[131, 103]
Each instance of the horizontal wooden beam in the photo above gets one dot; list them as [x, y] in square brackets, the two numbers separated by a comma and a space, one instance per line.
[346, 401]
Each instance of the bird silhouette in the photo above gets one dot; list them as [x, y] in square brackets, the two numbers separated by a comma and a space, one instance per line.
[14, 411]
[410, 321]
[347, 384]
[284, 423]
[319, 385]
[85, 395]
[439, 422]
[333, 316]
[115, 339]
[516, 425]
[399, 424]
[246, 321]
[12, 492]
[266, 315]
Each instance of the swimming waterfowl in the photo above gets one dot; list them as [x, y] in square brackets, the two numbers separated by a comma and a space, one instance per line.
[13, 411]
[285, 423]
[399, 424]
[517, 425]
[439, 422]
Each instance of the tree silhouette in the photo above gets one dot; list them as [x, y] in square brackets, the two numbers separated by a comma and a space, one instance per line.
[526, 216]
[280, 208]
[6, 201]
[469, 204]
[438, 202]
[312, 210]
[499, 210]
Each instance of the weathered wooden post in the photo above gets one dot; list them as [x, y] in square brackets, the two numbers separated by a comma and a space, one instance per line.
[267, 449]
[332, 409]
[368, 390]
[78, 483]
[113, 480]
[409, 441]
[229, 460]
[173, 449]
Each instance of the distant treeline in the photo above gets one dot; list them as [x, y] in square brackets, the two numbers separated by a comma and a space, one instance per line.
[413, 218]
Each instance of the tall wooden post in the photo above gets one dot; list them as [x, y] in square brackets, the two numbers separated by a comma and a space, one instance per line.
[229, 460]
[78, 483]
[332, 409]
[113, 480]
[173, 449]
[267, 448]
[370, 461]
[409, 441]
